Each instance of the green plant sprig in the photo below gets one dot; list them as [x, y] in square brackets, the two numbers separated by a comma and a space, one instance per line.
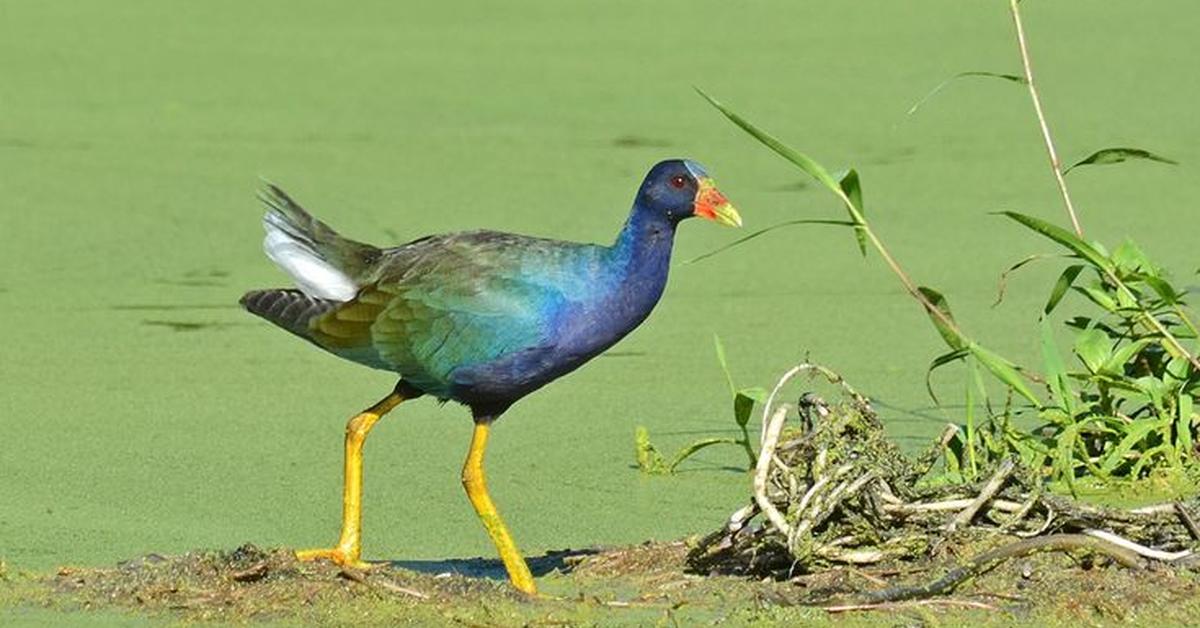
[650, 459]
[849, 191]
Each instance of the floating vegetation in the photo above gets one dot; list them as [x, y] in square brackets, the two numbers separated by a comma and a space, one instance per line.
[830, 490]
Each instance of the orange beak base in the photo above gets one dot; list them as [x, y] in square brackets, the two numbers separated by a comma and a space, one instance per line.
[710, 203]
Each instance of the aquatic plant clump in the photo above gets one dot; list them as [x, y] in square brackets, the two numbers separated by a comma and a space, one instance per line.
[831, 490]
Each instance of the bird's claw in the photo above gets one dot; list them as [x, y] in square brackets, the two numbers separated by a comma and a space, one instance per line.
[337, 555]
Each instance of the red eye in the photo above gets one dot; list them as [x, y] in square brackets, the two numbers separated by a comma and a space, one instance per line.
[678, 181]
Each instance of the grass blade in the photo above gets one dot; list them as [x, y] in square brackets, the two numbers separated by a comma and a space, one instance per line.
[1002, 285]
[1056, 370]
[1137, 432]
[1107, 156]
[720, 348]
[852, 187]
[1115, 364]
[1065, 280]
[938, 362]
[940, 86]
[949, 334]
[1064, 459]
[802, 161]
[690, 450]
[787, 223]
[1065, 238]
[1005, 371]
[1183, 425]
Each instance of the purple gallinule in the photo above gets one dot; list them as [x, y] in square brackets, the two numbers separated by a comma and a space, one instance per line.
[478, 317]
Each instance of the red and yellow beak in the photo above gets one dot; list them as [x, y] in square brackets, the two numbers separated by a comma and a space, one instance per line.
[713, 205]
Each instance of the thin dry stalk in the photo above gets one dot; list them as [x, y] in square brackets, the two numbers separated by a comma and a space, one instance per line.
[1055, 163]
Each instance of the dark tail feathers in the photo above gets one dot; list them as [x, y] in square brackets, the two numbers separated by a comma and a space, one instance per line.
[290, 309]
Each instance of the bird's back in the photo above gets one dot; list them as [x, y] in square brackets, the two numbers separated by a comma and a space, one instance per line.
[444, 309]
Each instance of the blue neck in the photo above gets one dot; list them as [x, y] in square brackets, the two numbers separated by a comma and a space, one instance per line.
[622, 296]
[642, 253]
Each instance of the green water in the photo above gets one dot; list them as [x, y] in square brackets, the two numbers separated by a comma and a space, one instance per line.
[142, 411]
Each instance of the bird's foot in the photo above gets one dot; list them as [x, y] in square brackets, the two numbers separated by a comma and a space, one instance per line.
[340, 556]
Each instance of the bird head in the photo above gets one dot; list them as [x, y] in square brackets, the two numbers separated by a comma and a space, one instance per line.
[680, 189]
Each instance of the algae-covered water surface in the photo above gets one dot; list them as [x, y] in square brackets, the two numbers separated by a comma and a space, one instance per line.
[142, 411]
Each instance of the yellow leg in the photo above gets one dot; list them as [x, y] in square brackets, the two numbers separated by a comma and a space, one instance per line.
[348, 551]
[476, 485]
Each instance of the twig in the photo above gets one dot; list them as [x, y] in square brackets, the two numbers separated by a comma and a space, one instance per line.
[1045, 526]
[252, 573]
[1187, 520]
[763, 468]
[738, 519]
[395, 588]
[989, 491]
[987, 561]
[1019, 516]
[1002, 505]
[355, 575]
[1055, 164]
[1142, 550]
[895, 605]
[1153, 509]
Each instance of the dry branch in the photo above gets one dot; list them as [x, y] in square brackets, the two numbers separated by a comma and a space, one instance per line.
[833, 492]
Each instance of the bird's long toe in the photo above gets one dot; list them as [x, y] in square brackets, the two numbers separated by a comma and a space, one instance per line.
[336, 555]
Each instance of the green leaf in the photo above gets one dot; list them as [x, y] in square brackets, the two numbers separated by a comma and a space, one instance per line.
[938, 362]
[1056, 370]
[1115, 364]
[1065, 238]
[948, 331]
[743, 403]
[970, 444]
[1154, 388]
[1117, 155]
[940, 86]
[1093, 348]
[786, 223]
[1165, 290]
[1135, 432]
[853, 189]
[1099, 296]
[1005, 371]
[1147, 459]
[1061, 286]
[802, 161]
[1128, 258]
[1064, 459]
[1183, 423]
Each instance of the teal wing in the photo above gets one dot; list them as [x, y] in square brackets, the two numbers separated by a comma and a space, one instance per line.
[452, 301]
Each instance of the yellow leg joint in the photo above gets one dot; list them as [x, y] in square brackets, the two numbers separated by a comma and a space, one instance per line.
[348, 551]
[476, 484]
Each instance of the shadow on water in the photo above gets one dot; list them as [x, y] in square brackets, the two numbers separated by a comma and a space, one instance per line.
[795, 186]
[637, 141]
[561, 561]
[190, 325]
[154, 307]
[622, 354]
[191, 283]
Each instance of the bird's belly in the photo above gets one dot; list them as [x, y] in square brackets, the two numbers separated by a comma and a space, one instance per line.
[579, 338]
[498, 384]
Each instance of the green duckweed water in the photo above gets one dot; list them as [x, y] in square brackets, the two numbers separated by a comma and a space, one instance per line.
[142, 411]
